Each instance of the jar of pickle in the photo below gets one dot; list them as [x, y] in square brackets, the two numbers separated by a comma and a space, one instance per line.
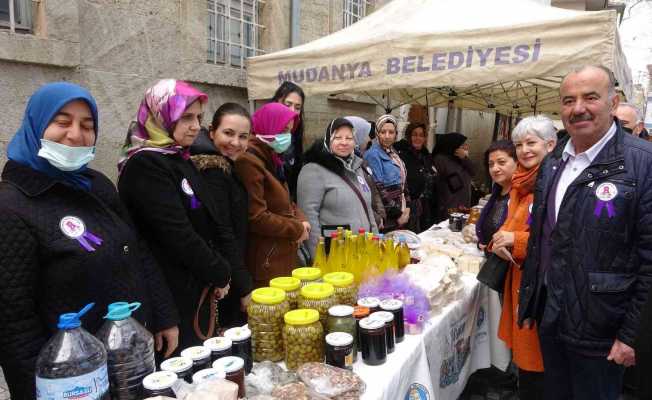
[307, 275]
[265, 312]
[303, 336]
[345, 290]
[474, 215]
[340, 319]
[320, 297]
[291, 286]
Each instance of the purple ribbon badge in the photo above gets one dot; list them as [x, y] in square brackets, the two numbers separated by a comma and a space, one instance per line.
[529, 216]
[605, 193]
[187, 189]
[74, 228]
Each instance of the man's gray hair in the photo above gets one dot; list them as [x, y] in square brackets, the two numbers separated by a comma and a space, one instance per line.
[639, 114]
[538, 125]
[610, 75]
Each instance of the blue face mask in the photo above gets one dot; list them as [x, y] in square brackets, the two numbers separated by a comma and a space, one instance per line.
[281, 143]
[66, 158]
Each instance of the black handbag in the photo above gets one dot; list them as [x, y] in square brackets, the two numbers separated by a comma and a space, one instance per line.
[493, 272]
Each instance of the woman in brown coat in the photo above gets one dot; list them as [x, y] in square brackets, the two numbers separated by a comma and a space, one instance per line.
[276, 225]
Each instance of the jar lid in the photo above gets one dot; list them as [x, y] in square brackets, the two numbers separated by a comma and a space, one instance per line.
[339, 339]
[159, 380]
[391, 304]
[339, 279]
[176, 364]
[361, 312]
[237, 334]
[371, 323]
[229, 364]
[371, 302]
[218, 343]
[383, 315]
[196, 353]
[341, 311]
[287, 283]
[302, 316]
[317, 291]
[307, 273]
[268, 295]
[208, 374]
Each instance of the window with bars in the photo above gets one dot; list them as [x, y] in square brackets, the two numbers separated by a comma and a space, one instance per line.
[355, 10]
[16, 15]
[233, 31]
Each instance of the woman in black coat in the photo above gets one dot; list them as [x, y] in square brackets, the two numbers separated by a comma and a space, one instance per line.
[451, 159]
[170, 204]
[213, 153]
[65, 239]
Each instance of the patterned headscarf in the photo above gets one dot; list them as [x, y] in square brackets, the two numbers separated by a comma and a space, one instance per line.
[383, 119]
[162, 107]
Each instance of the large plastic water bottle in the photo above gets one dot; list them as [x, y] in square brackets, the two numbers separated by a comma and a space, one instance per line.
[130, 351]
[72, 364]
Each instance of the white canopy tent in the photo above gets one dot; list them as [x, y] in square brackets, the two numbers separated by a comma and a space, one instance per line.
[501, 55]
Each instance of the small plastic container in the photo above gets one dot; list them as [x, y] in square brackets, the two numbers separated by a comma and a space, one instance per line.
[345, 289]
[291, 286]
[182, 366]
[241, 345]
[219, 347]
[265, 314]
[388, 318]
[320, 297]
[372, 303]
[340, 319]
[233, 368]
[159, 384]
[307, 275]
[373, 341]
[200, 356]
[395, 307]
[207, 374]
[303, 336]
[339, 350]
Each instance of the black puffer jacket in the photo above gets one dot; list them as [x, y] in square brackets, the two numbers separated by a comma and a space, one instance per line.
[600, 267]
[44, 273]
[193, 245]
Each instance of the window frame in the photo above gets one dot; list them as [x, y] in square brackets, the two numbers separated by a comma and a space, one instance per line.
[22, 11]
[350, 17]
[226, 18]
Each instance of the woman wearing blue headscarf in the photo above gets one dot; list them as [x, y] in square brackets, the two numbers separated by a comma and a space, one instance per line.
[65, 239]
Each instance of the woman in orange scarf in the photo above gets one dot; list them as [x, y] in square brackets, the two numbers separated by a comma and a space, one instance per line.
[534, 137]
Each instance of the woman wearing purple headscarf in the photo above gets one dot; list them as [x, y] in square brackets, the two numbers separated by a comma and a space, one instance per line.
[172, 207]
[276, 225]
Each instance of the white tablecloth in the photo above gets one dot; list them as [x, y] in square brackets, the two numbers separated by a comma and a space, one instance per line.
[436, 364]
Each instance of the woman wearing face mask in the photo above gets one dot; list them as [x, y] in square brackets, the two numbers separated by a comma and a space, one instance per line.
[291, 95]
[65, 239]
[534, 138]
[332, 185]
[500, 159]
[214, 153]
[276, 225]
[389, 174]
[451, 159]
[172, 207]
[420, 176]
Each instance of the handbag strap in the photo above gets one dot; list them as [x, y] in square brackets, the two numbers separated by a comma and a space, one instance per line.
[207, 293]
[359, 195]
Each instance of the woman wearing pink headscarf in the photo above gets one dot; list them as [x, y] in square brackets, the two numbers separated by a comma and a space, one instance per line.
[171, 205]
[276, 225]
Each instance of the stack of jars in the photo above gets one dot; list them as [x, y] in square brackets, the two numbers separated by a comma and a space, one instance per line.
[266, 311]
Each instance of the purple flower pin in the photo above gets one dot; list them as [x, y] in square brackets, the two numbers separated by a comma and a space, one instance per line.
[74, 228]
[529, 215]
[187, 189]
[605, 193]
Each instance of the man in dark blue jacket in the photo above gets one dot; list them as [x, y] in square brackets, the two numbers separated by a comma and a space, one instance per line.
[589, 265]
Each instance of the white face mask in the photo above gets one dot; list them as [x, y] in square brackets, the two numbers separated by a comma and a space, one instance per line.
[66, 158]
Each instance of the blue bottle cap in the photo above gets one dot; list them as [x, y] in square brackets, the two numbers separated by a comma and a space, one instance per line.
[72, 320]
[121, 310]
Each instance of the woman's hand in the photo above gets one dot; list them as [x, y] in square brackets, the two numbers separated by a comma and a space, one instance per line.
[461, 153]
[502, 253]
[171, 338]
[306, 226]
[404, 218]
[503, 239]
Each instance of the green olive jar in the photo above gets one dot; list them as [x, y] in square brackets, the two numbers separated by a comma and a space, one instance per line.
[307, 275]
[345, 289]
[266, 310]
[304, 338]
[320, 297]
[291, 286]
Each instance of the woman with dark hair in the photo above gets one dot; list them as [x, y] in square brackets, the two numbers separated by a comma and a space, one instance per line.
[451, 159]
[500, 159]
[291, 95]
[214, 153]
[420, 176]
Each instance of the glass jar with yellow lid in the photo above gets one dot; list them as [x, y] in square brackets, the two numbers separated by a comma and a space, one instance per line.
[320, 297]
[307, 275]
[266, 310]
[304, 338]
[290, 286]
[345, 289]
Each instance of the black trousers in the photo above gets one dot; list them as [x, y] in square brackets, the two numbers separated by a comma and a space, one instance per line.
[530, 385]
